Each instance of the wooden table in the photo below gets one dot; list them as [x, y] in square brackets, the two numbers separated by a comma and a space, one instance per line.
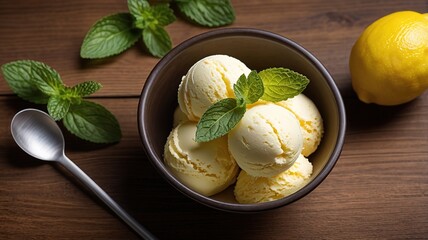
[378, 189]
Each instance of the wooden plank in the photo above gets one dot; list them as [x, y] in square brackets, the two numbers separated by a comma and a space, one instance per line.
[377, 190]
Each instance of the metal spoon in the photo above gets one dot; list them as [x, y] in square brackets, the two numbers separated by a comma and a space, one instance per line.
[39, 136]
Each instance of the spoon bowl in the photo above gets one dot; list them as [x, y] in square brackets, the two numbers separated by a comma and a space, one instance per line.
[37, 135]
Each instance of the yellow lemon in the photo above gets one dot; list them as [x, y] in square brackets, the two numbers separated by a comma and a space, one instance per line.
[389, 61]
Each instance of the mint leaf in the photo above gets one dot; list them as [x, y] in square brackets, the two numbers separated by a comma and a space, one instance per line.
[18, 75]
[157, 41]
[249, 88]
[137, 7]
[162, 14]
[85, 89]
[281, 83]
[210, 13]
[32, 74]
[92, 122]
[46, 79]
[58, 107]
[109, 36]
[219, 119]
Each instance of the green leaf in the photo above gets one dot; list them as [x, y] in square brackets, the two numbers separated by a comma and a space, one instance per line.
[281, 83]
[58, 107]
[109, 36]
[157, 41]
[32, 74]
[249, 88]
[18, 75]
[46, 79]
[137, 7]
[219, 119]
[163, 14]
[85, 88]
[92, 122]
[210, 13]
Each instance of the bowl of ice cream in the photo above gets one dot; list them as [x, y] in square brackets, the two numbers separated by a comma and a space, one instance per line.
[276, 154]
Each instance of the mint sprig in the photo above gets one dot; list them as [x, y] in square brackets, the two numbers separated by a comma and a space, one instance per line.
[272, 84]
[38, 83]
[116, 33]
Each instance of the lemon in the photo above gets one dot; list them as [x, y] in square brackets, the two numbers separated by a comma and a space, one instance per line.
[389, 61]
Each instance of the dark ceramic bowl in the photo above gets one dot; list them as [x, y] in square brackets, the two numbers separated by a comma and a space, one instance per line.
[259, 50]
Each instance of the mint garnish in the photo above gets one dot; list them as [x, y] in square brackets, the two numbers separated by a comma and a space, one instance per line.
[249, 89]
[282, 83]
[219, 119]
[114, 34]
[37, 82]
[208, 13]
[273, 84]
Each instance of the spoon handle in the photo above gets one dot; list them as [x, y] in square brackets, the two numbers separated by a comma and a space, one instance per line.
[87, 181]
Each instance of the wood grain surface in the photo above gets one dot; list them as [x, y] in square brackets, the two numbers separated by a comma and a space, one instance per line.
[377, 190]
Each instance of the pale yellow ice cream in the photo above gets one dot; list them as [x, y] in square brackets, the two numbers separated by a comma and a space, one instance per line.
[179, 117]
[266, 141]
[208, 81]
[249, 189]
[310, 120]
[206, 168]
[268, 146]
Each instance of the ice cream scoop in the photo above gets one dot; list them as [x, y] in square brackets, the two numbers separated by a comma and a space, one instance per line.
[208, 81]
[310, 121]
[179, 117]
[250, 189]
[206, 168]
[266, 141]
